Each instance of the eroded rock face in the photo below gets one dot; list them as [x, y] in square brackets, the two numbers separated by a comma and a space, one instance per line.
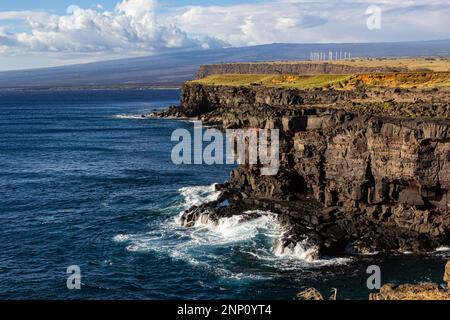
[199, 99]
[389, 172]
[287, 68]
[349, 175]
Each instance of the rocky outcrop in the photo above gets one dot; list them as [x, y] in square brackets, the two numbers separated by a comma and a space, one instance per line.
[419, 291]
[422, 291]
[357, 174]
[313, 294]
[303, 68]
[447, 274]
[198, 99]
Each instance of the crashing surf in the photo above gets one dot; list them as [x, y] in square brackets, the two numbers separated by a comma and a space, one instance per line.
[209, 242]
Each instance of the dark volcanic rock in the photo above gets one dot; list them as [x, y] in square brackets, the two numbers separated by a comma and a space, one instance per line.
[353, 177]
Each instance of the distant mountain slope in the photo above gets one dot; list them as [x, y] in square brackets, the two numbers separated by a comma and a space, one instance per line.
[175, 68]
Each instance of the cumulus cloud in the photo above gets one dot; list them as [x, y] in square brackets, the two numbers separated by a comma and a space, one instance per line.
[318, 21]
[140, 27]
[132, 28]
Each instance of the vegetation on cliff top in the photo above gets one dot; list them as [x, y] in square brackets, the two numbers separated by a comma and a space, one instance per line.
[411, 64]
[289, 81]
[341, 81]
[418, 64]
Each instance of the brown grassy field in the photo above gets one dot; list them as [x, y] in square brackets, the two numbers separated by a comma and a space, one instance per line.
[413, 64]
[419, 64]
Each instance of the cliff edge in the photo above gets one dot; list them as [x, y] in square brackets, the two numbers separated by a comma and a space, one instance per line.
[362, 170]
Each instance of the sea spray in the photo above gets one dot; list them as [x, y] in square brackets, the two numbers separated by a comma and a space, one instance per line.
[301, 250]
[195, 196]
[208, 245]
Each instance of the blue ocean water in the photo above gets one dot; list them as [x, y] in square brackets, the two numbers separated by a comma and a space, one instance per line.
[85, 181]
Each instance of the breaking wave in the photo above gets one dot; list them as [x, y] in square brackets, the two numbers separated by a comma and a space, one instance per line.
[129, 116]
[301, 250]
[443, 251]
[195, 196]
[225, 246]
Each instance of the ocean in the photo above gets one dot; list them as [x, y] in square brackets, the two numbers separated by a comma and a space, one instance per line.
[85, 181]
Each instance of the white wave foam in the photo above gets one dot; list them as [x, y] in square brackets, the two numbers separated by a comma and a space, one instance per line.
[210, 245]
[129, 116]
[443, 251]
[300, 251]
[133, 248]
[240, 228]
[195, 196]
[235, 228]
[121, 238]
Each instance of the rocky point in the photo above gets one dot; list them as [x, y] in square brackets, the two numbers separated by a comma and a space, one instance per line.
[362, 170]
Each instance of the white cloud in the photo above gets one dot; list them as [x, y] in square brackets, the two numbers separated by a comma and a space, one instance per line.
[132, 28]
[23, 15]
[285, 23]
[72, 8]
[136, 8]
[139, 27]
[317, 21]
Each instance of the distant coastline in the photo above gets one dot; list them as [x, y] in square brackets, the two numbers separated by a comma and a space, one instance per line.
[172, 70]
[92, 88]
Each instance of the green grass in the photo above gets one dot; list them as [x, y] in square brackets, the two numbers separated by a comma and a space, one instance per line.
[234, 79]
[286, 81]
[336, 81]
[319, 81]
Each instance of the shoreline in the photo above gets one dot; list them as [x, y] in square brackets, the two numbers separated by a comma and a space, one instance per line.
[90, 88]
[342, 186]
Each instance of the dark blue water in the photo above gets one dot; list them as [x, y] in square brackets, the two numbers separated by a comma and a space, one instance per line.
[82, 185]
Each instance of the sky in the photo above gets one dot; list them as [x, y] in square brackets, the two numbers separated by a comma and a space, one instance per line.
[47, 33]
